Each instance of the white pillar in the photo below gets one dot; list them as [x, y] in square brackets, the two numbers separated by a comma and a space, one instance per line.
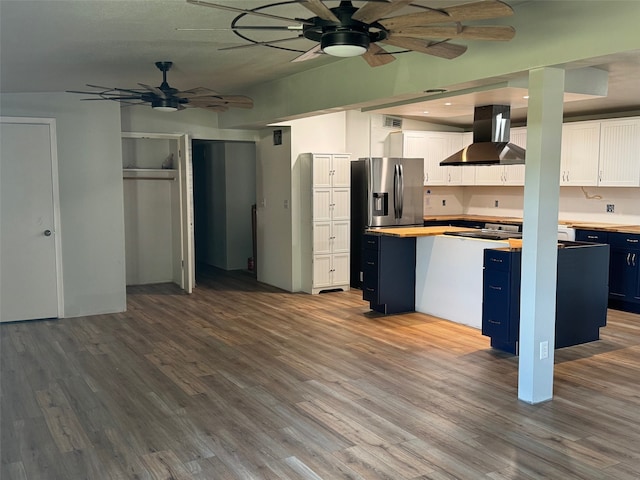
[540, 220]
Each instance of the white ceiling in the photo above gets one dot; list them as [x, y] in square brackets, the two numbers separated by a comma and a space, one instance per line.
[48, 46]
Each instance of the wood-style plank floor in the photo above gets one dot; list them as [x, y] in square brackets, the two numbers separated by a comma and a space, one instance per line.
[244, 381]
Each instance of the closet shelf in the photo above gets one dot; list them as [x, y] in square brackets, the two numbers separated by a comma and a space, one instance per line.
[149, 173]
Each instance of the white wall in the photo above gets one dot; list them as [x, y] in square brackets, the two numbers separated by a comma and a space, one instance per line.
[91, 197]
[196, 122]
[366, 135]
[240, 183]
[148, 219]
[586, 204]
[273, 187]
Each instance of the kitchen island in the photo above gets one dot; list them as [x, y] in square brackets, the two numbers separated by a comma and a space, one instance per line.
[449, 277]
[389, 265]
[446, 275]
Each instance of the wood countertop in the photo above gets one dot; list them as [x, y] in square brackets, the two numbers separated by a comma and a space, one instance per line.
[474, 218]
[606, 227]
[417, 231]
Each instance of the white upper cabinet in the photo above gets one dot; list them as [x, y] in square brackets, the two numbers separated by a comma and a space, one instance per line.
[619, 153]
[603, 153]
[433, 147]
[580, 153]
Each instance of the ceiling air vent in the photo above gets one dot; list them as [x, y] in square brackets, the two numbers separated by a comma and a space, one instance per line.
[392, 122]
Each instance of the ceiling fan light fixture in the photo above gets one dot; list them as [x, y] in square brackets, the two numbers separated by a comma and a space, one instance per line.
[165, 104]
[345, 43]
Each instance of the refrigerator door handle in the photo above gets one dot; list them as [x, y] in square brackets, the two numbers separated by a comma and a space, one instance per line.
[400, 190]
[395, 191]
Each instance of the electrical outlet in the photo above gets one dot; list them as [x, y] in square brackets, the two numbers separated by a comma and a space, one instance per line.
[544, 350]
[444, 203]
[496, 204]
[610, 207]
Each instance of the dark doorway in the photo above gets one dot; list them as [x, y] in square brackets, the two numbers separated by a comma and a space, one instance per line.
[224, 192]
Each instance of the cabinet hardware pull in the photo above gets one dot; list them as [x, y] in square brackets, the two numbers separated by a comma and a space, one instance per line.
[496, 260]
[628, 257]
[370, 263]
[593, 237]
[494, 322]
[633, 260]
[632, 240]
[370, 289]
[493, 287]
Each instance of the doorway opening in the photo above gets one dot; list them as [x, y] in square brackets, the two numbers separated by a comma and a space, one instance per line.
[224, 197]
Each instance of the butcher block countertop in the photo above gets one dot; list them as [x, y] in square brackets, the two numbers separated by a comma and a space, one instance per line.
[417, 231]
[606, 227]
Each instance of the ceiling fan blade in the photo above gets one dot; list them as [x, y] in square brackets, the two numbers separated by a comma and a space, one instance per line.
[197, 92]
[376, 56]
[372, 11]
[106, 90]
[299, 27]
[236, 101]
[239, 101]
[438, 49]
[207, 106]
[320, 9]
[498, 33]
[118, 99]
[154, 90]
[255, 44]
[202, 3]
[310, 54]
[483, 10]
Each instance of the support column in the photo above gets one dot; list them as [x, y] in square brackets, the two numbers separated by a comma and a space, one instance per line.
[540, 234]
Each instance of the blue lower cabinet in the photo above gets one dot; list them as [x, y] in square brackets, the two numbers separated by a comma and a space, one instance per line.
[388, 271]
[581, 296]
[624, 267]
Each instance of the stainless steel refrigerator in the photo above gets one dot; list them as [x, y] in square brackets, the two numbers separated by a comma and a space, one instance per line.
[385, 192]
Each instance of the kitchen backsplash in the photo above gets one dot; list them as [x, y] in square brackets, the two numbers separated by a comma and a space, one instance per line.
[576, 203]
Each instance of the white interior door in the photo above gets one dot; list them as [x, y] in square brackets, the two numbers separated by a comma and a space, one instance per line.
[30, 277]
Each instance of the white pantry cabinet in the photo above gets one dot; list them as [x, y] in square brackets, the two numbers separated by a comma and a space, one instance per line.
[325, 210]
[619, 164]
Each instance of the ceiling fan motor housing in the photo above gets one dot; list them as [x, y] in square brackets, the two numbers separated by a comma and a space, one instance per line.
[346, 38]
[165, 104]
[345, 43]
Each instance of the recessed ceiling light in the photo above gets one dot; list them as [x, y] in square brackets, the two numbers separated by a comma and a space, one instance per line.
[525, 97]
[448, 104]
[426, 112]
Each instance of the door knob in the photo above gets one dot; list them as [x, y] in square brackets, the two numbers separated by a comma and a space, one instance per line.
[47, 233]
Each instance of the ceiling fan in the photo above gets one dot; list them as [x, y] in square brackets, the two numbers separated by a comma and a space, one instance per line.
[347, 31]
[167, 99]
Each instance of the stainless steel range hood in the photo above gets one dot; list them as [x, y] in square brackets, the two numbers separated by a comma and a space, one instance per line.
[490, 145]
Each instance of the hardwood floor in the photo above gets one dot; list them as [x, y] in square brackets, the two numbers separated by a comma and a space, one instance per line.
[244, 381]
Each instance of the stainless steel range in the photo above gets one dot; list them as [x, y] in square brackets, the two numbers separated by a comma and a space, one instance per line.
[491, 231]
